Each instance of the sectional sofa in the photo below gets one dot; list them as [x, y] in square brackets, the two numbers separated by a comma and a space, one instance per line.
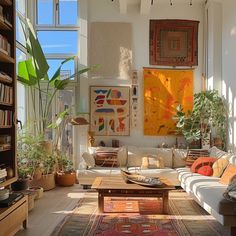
[207, 191]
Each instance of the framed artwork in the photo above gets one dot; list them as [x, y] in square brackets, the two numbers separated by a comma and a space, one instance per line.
[110, 110]
[163, 91]
[173, 42]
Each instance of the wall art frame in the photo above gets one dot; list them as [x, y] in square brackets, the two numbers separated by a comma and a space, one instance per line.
[173, 42]
[110, 110]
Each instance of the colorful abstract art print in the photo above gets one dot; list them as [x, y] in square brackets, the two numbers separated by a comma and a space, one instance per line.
[163, 91]
[173, 42]
[110, 110]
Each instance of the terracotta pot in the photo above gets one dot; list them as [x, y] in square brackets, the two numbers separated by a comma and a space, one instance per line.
[65, 179]
[47, 182]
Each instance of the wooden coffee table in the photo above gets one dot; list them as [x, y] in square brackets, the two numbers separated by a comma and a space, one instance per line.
[115, 186]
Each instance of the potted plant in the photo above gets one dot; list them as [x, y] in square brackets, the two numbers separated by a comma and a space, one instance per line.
[209, 114]
[66, 175]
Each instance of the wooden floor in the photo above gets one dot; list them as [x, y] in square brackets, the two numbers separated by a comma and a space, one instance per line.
[51, 209]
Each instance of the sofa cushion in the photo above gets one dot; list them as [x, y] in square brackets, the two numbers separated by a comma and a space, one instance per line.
[179, 157]
[228, 174]
[201, 161]
[152, 162]
[167, 155]
[219, 167]
[205, 170]
[89, 159]
[122, 157]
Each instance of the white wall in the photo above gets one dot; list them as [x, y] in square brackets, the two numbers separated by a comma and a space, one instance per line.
[108, 11]
[229, 64]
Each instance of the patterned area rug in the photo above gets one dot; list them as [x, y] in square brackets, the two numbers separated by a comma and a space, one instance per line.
[138, 217]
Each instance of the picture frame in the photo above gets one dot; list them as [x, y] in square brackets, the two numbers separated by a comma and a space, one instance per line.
[110, 110]
[173, 42]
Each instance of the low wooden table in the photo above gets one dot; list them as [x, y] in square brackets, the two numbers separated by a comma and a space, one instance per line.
[115, 186]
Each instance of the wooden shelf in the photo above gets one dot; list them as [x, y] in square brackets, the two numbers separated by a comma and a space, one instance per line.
[8, 182]
[6, 2]
[5, 126]
[4, 26]
[6, 104]
[5, 150]
[5, 58]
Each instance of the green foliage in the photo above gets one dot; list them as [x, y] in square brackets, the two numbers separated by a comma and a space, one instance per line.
[31, 155]
[33, 72]
[65, 164]
[209, 112]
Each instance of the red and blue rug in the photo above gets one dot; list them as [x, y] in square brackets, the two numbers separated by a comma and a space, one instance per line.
[125, 217]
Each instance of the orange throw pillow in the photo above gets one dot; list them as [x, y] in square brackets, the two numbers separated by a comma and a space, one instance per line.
[205, 170]
[202, 161]
[228, 175]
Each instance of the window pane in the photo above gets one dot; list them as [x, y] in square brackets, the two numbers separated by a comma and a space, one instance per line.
[59, 41]
[20, 56]
[19, 32]
[68, 12]
[44, 12]
[20, 6]
[67, 69]
[21, 100]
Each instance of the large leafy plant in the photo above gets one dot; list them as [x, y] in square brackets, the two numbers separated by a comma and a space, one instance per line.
[209, 114]
[33, 73]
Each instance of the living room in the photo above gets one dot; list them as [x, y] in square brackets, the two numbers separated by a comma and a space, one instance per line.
[117, 73]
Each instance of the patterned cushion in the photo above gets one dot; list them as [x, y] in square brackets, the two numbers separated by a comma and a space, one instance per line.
[205, 170]
[219, 167]
[152, 162]
[228, 175]
[202, 161]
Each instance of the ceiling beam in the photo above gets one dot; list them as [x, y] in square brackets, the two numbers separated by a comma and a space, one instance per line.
[145, 7]
[123, 6]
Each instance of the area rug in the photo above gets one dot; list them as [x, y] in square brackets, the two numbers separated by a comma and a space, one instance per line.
[138, 217]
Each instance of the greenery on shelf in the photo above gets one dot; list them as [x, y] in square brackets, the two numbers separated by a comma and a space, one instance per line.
[209, 114]
[33, 73]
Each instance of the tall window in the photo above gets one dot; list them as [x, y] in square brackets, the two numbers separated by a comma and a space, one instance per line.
[57, 26]
[21, 54]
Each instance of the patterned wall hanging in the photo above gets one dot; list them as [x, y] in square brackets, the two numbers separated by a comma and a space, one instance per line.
[163, 91]
[173, 42]
[109, 110]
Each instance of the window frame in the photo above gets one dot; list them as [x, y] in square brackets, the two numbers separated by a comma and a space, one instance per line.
[55, 20]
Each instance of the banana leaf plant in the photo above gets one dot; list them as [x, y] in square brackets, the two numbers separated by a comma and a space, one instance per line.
[33, 73]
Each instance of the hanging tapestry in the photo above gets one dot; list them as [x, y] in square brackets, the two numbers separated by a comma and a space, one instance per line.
[109, 110]
[173, 42]
[163, 91]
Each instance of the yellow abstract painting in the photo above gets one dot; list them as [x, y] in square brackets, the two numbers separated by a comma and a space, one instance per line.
[163, 91]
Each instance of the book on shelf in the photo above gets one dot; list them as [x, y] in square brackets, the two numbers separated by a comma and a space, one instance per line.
[5, 76]
[6, 93]
[5, 118]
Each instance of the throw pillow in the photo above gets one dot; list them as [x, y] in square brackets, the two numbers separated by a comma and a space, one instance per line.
[152, 162]
[202, 161]
[219, 167]
[144, 163]
[122, 157]
[160, 163]
[228, 175]
[205, 170]
[179, 157]
[88, 158]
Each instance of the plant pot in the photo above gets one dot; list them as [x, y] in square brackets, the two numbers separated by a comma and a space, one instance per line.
[65, 179]
[20, 184]
[47, 182]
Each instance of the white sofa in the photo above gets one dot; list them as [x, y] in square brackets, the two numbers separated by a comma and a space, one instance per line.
[208, 192]
[131, 157]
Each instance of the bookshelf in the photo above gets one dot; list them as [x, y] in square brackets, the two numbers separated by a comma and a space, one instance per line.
[13, 216]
